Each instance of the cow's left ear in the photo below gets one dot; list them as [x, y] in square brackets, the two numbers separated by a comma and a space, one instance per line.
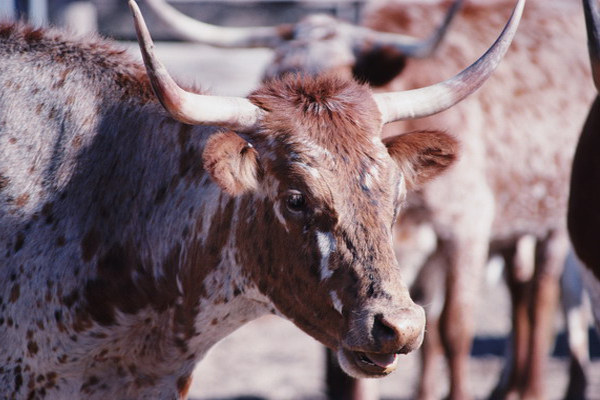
[422, 156]
[232, 162]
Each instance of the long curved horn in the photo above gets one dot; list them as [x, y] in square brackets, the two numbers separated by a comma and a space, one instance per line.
[418, 103]
[195, 109]
[592, 24]
[196, 31]
[407, 45]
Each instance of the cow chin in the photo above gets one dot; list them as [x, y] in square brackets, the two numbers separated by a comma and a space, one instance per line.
[366, 365]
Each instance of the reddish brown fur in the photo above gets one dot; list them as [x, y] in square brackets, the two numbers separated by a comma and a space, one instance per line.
[429, 158]
[226, 152]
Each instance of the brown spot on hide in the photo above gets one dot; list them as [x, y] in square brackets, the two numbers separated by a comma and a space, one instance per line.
[77, 140]
[51, 377]
[22, 200]
[161, 195]
[71, 298]
[20, 241]
[61, 80]
[4, 181]
[91, 381]
[14, 293]
[60, 241]
[32, 348]
[18, 378]
[115, 288]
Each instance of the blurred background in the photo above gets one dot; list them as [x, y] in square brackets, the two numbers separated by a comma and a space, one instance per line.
[270, 358]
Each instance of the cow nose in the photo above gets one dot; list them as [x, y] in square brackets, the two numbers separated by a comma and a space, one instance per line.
[399, 332]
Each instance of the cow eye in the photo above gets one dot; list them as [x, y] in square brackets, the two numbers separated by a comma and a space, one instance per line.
[296, 202]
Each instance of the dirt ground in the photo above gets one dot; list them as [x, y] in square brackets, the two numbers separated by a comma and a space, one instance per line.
[270, 358]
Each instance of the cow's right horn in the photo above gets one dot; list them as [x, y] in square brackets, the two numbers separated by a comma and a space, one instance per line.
[197, 31]
[418, 103]
[592, 23]
[191, 108]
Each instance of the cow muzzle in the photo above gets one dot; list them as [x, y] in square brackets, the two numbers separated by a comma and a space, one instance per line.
[376, 339]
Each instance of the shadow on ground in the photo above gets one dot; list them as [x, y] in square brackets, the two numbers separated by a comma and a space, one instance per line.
[496, 345]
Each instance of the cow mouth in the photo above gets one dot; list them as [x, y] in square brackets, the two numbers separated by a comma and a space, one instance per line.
[367, 365]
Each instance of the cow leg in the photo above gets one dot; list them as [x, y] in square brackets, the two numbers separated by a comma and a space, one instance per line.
[574, 308]
[431, 356]
[551, 253]
[341, 386]
[519, 266]
[428, 291]
[466, 259]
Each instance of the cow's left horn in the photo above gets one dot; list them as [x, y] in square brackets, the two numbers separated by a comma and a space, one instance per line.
[592, 23]
[407, 45]
[418, 103]
[191, 108]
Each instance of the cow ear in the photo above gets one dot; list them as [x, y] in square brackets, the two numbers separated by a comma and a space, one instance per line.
[422, 156]
[377, 66]
[232, 162]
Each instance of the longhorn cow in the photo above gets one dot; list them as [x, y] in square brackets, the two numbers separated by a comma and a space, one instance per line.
[139, 232]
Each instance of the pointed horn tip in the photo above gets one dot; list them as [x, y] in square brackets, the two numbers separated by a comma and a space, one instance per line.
[133, 6]
[137, 13]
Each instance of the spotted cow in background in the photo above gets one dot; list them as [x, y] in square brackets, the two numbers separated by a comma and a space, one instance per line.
[317, 43]
[519, 135]
[134, 239]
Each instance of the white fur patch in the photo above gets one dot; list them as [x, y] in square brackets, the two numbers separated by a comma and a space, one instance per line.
[279, 215]
[326, 247]
[337, 303]
[311, 170]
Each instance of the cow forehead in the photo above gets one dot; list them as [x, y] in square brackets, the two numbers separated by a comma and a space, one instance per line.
[332, 111]
[326, 117]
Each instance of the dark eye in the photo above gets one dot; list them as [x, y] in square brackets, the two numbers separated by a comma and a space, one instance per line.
[296, 202]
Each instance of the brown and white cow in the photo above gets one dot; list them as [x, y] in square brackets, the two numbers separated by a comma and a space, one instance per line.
[134, 239]
[584, 196]
[533, 65]
[519, 135]
[317, 43]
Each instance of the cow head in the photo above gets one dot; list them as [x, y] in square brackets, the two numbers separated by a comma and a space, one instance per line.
[306, 158]
[315, 44]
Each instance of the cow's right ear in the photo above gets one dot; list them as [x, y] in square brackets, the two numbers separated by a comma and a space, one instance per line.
[232, 162]
[422, 156]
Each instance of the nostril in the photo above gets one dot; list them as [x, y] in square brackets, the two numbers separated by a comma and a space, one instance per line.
[384, 329]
